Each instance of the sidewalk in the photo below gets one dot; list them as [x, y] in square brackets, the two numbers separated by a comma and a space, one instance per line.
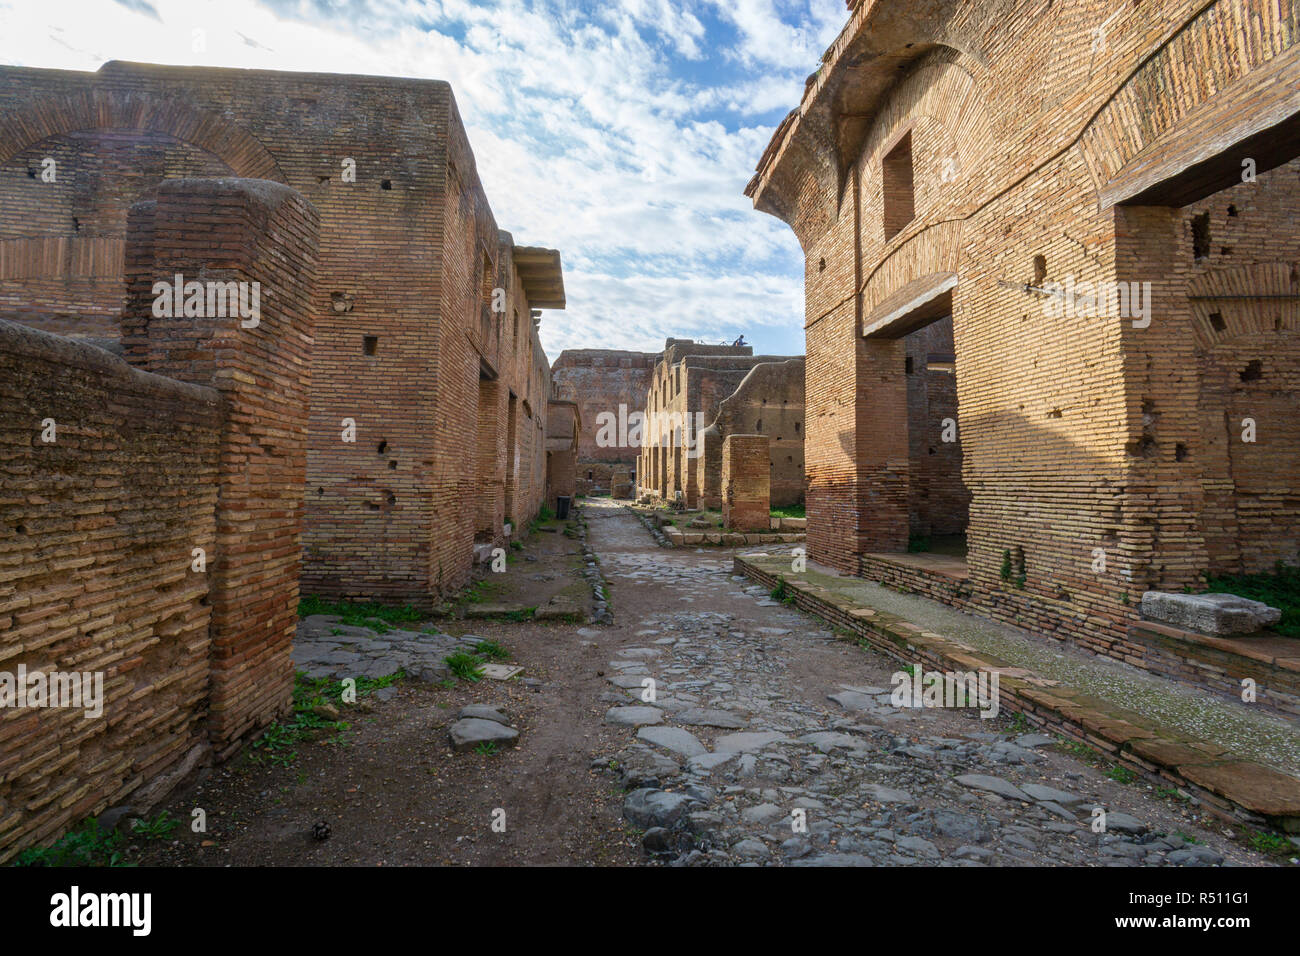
[1242, 762]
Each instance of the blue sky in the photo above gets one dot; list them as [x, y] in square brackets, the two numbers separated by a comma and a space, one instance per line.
[621, 132]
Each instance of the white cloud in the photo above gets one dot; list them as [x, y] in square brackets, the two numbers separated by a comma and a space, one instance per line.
[620, 132]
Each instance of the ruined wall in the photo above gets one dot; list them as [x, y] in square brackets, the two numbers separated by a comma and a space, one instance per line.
[768, 401]
[102, 522]
[1249, 368]
[398, 311]
[600, 381]
[1077, 432]
[746, 500]
[563, 433]
[98, 576]
[686, 391]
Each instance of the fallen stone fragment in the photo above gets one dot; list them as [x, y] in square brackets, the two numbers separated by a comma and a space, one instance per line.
[483, 712]
[1002, 788]
[469, 733]
[673, 739]
[1220, 615]
[634, 716]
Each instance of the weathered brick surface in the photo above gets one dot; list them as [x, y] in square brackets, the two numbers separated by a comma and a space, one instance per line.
[409, 256]
[242, 231]
[1076, 432]
[563, 434]
[600, 381]
[685, 396]
[746, 483]
[768, 401]
[100, 526]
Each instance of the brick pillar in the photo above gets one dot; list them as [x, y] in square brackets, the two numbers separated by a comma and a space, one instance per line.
[263, 235]
[1161, 544]
[880, 446]
[746, 483]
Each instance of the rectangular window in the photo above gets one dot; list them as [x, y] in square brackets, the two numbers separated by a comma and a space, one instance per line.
[899, 192]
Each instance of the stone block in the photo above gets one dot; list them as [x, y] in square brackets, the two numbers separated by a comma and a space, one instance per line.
[1219, 615]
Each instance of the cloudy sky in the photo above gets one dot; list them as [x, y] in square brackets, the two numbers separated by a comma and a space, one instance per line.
[621, 132]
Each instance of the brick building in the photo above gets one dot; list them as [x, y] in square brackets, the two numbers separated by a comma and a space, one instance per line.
[605, 384]
[684, 399]
[429, 386]
[1101, 199]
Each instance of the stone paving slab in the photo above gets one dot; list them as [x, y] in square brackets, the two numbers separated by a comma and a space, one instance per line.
[325, 648]
[1242, 762]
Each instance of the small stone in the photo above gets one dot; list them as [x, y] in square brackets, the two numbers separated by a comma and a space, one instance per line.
[763, 813]
[1046, 794]
[471, 732]
[1124, 823]
[996, 785]
[648, 808]
[700, 717]
[634, 716]
[745, 743]
[882, 794]
[483, 712]
[673, 739]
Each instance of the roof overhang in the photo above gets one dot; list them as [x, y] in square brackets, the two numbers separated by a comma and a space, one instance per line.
[542, 275]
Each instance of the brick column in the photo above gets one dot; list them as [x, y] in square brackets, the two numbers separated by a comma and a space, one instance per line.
[262, 235]
[746, 483]
[880, 446]
[1161, 544]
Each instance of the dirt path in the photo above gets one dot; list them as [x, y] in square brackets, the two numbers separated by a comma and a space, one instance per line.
[875, 783]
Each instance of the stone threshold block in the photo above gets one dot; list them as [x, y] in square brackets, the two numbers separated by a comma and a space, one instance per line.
[1218, 615]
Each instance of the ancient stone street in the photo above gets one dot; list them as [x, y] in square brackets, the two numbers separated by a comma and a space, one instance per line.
[762, 711]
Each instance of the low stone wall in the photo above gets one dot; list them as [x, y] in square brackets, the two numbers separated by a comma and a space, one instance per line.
[1220, 664]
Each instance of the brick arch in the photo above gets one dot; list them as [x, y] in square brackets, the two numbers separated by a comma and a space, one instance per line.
[111, 109]
[945, 92]
[1157, 121]
[1229, 304]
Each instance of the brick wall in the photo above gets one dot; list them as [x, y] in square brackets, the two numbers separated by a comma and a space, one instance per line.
[746, 483]
[100, 526]
[1078, 434]
[770, 401]
[690, 381]
[400, 312]
[599, 381]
